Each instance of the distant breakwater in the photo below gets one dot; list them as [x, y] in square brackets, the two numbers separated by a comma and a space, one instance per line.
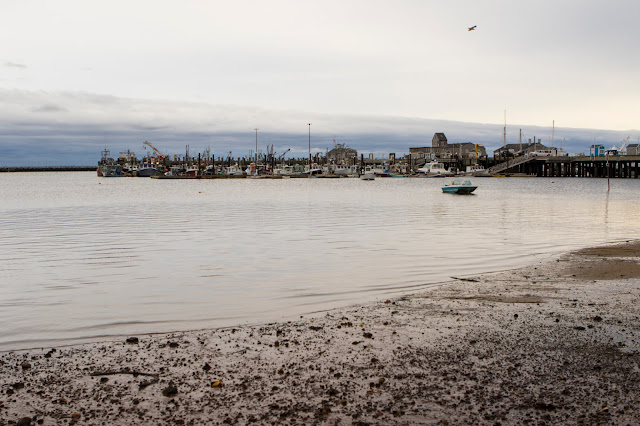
[49, 169]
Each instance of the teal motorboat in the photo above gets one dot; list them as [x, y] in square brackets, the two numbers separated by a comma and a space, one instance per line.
[459, 186]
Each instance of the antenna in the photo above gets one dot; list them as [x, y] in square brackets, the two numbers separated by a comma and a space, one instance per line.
[505, 129]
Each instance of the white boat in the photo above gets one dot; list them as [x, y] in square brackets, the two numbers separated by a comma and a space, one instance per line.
[314, 169]
[459, 186]
[369, 174]
[191, 171]
[342, 169]
[234, 170]
[477, 171]
[252, 170]
[284, 170]
[434, 169]
[381, 171]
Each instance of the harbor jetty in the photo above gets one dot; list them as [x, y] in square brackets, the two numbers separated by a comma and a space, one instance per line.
[48, 169]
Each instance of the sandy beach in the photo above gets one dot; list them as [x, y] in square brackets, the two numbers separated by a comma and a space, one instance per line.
[554, 343]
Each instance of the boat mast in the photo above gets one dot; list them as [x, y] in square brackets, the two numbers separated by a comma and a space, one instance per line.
[504, 137]
[520, 140]
[553, 131]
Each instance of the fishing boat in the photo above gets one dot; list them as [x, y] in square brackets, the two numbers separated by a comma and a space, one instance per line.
[111, 170]
[175, 171]
[285, 170]
[343, 169]
[233, 170]
[368, 174]
[148, 169]
[313, 169]
[434, 169]
[459, 186]
[107, 166]
[191, 171]
[477, 171]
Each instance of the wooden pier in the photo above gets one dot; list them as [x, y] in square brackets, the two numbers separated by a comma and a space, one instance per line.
[618, 166]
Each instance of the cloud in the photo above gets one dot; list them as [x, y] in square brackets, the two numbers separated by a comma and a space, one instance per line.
[70, 128]
[14, 65]
[49, 108]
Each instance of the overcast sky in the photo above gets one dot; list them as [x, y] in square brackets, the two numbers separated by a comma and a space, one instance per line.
[572, 61]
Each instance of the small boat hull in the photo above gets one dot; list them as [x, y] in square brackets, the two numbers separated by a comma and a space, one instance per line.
[459, 186]
[149, 172]
[368, 176]
[459, 189]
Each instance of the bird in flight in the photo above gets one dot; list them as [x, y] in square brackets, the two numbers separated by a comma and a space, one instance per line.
[472, 28]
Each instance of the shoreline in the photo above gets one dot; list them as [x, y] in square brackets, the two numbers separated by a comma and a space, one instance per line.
[392, 293]
[556, 342]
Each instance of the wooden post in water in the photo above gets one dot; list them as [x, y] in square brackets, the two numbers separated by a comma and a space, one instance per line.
[309, 124]
[608, 183]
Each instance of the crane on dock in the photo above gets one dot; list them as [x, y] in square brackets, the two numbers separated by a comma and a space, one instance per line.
[282, 155]
[160, 155]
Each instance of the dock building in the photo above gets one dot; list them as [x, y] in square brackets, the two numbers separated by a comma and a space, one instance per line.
[341, 154]
[441, 148]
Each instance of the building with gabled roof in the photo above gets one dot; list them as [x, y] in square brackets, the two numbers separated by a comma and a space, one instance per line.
[341, 154]
[441, 148]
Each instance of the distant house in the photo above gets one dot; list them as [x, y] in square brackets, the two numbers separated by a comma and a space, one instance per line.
[439, 140]
[633, 149]
[441, 148]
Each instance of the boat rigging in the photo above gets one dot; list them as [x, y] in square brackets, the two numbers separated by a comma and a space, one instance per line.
[160, 155]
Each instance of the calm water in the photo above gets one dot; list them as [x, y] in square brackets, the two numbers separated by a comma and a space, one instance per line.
[83, 257]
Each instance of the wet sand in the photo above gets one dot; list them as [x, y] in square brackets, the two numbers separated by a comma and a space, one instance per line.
[554, 343]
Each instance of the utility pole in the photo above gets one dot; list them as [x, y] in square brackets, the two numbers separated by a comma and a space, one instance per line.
[256, 163]
[520, 140]
[309, 124]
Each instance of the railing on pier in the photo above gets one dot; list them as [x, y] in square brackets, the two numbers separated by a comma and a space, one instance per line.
[512, 163]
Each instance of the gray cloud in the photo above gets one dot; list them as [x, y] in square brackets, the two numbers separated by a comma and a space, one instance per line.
[14, 65]
[49, 108]
[90, 122]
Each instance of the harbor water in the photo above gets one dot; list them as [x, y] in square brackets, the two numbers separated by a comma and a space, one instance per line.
[83, 258]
